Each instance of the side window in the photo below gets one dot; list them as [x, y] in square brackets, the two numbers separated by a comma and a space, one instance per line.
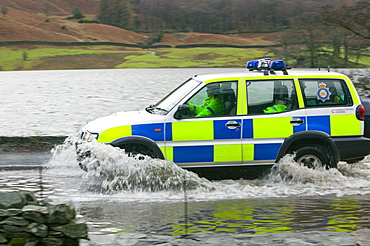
[215, 99]
[270, 96]
[324, 92]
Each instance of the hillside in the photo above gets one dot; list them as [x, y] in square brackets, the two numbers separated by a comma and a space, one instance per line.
[46, 20]
[53, 7]
[25, 20]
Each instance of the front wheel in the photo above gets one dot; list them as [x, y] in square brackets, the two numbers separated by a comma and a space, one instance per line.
[314, 157]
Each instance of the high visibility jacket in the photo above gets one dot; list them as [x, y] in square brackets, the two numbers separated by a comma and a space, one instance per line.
[276, 108]
[212, 106]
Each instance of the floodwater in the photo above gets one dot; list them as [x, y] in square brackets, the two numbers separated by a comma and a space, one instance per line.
[155, 196]
[58, 103]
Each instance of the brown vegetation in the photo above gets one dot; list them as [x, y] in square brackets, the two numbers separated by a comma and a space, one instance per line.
[310, 32]
[25, 20]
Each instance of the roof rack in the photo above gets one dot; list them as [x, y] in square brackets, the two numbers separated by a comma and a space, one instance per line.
[267, 66]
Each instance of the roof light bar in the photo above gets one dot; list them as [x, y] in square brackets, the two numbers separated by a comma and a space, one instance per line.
[266, 64]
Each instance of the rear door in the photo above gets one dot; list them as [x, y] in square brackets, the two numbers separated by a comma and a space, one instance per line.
[273, 113]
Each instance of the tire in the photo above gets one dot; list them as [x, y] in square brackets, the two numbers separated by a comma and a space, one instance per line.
[314, 157]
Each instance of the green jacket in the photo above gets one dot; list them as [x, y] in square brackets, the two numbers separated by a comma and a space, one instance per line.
[276, 108]
[212, 106]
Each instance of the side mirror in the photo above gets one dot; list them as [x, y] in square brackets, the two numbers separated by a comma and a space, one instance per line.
[182, 110]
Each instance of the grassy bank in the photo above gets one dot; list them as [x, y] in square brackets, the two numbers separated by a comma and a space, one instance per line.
[35, 57]
[41, 58]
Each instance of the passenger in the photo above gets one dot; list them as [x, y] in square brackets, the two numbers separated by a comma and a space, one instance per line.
[275, 109]
[281, 94]
[213, 105]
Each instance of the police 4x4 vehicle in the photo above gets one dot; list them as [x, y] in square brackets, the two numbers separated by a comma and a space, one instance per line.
[234, 125]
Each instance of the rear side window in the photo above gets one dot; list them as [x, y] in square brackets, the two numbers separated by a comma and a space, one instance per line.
[324, 92]
[270, 96]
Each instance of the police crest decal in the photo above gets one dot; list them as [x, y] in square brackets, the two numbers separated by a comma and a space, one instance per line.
[323, 92]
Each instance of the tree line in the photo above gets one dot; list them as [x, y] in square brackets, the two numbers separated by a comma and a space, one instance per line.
[217, 16]
[338, 29]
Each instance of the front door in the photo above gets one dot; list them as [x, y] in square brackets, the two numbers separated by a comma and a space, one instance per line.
[210, 133]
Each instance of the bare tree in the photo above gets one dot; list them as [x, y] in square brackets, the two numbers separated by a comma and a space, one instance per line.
[354, 18]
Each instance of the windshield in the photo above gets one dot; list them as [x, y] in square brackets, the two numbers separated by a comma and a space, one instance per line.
[168, 102]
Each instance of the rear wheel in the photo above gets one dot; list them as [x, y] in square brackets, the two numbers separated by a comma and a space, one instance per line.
[314, 157]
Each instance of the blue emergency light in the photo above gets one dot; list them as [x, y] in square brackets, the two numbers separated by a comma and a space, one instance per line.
[266, 64]
[278, 65]
[252, 65]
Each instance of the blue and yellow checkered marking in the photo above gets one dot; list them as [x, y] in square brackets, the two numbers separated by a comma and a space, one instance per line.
[168, 133]
[222, 132]
[225, 153]
[270, 128]
[335, 125]
[231, 151]
[184, 154]
[247, 128]
[148, 130]
[266, 151]
[319, 123]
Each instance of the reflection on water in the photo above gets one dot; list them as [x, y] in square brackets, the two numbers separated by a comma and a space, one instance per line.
[279, 215]
[333, 200]
[252, 216]
[164, 212]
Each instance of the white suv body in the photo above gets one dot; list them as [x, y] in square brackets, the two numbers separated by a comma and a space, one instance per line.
[317, 116]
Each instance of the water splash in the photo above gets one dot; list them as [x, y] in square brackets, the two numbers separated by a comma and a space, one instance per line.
[110, 170]
[63, 160]
[114, 175]
[289, 171]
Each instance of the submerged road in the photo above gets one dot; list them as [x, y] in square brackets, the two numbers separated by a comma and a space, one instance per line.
[22, 160]
[18, 162]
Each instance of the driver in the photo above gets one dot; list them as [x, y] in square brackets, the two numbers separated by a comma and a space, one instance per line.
[213, 105]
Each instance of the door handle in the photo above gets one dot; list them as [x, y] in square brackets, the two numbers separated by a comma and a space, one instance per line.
[296, 121]
[232, 124]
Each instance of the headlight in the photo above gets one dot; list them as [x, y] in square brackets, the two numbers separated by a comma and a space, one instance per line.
[85, 135]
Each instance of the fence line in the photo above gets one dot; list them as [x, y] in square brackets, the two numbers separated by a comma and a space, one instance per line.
[5, 43]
